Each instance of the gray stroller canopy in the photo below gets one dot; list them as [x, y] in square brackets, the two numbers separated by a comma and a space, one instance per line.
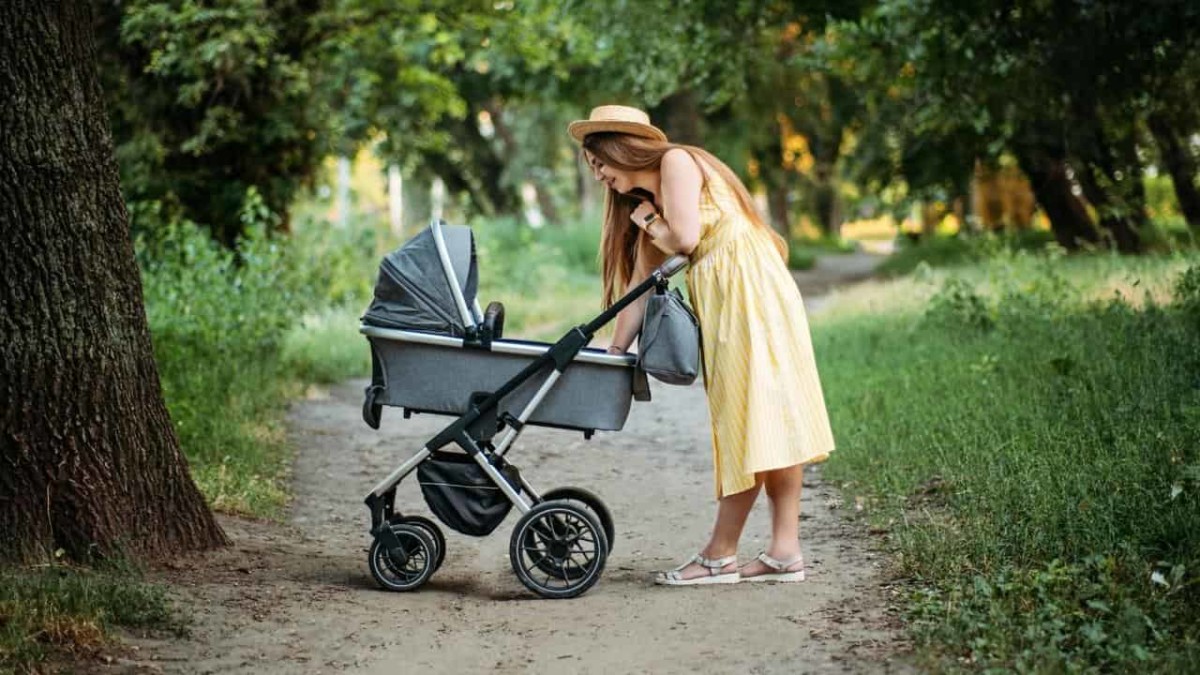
[424, 286]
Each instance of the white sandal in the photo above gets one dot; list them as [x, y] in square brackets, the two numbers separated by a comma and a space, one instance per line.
[714, 567]
[780, 574]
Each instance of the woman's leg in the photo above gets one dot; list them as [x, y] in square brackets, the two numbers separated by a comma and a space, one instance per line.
[783, 491]
[732, 511]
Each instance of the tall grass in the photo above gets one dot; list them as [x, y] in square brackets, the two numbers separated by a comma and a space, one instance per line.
[1028, 431]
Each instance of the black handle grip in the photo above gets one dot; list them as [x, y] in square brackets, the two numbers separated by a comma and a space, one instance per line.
[493, 320]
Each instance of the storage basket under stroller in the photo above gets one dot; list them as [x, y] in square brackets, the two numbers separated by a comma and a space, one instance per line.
[433, 350]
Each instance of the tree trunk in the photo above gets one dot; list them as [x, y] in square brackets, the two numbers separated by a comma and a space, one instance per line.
[587, 190]
[89, 460]
[777, 202]
[681, 120]
[542, 190]
[1120, 207]
[417, 207]
[825, 146]
[475, 169]
[1047, 172]
[1180, 165]
[1117, 224]
[395, 193]
[826, 205]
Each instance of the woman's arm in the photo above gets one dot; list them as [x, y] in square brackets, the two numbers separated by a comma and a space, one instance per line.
[680, 193]
[676, 231]
[629, 320]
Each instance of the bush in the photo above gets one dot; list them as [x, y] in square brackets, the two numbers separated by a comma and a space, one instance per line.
[1033, 451]
[219, 320]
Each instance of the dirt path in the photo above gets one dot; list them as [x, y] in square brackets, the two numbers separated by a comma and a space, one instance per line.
[298, 597]
[834, 271]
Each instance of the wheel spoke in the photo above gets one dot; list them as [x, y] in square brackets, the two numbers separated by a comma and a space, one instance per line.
[587, 553]
[567, 573]
[533, 564]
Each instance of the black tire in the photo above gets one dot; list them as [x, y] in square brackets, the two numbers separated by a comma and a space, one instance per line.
[592, 502]
[372, 411]
[410, 567]
[564, 535]
[434, 532]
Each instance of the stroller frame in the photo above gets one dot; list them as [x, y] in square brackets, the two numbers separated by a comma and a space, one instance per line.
[473, 430]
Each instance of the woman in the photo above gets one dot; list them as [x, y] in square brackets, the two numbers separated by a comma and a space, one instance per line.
[765, 401]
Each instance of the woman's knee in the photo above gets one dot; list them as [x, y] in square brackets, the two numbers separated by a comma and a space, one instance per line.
[781, 481]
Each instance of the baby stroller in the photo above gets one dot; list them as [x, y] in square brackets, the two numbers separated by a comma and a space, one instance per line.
[433, 350]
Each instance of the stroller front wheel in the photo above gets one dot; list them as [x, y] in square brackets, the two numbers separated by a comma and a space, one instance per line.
[435, 536]
[558, 549]
[406, 567]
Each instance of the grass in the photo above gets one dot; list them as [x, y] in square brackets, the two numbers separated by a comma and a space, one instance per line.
[1162, 236]
[1026, 428]
[943, 250]
[56, 610]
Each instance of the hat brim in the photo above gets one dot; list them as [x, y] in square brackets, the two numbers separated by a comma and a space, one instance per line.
[581, 128]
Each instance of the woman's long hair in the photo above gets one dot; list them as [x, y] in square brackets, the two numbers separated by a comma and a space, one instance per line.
[621, 239]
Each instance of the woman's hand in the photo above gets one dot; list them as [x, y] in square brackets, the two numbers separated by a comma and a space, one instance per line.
[645, 214]
[651, 222]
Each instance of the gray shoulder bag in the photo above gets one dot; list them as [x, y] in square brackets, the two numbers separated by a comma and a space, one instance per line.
[669, 345]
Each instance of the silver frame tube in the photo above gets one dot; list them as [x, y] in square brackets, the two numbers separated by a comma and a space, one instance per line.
[498, 346]
[400, 472]
[467, 317]
[502, 482]
[538, 397]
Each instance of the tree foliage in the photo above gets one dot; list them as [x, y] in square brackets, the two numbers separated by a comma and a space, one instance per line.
[898, 97]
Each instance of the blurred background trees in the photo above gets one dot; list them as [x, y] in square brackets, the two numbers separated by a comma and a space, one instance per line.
[975, 116]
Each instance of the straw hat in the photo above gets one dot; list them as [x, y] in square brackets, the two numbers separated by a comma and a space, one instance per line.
[619, 118]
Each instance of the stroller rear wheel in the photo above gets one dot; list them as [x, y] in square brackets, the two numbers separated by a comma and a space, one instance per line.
[434, 532]
[580, 497]
[558, 549]
[591, 501]
[406, 567]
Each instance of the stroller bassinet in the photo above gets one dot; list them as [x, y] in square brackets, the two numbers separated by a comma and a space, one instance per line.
[432, 348]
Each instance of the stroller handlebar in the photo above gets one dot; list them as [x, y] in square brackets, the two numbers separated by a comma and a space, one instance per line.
[672, 266]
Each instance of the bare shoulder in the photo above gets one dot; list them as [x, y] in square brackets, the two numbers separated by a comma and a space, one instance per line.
[679, 163]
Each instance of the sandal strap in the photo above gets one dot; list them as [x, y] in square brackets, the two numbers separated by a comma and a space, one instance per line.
[779, 565]
[713, 566]
[714, 563]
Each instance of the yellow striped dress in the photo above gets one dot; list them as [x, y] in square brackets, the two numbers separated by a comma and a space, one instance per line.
[764, 394]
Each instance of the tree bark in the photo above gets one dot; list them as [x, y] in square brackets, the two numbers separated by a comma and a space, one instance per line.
[1047, 172]
[89, 460]
[825, 146]
[1119, 204]
[777, 202]
[681, 120]
[418, 207]
[509, 140]
[1180, 165]
[778, 182]
[826, 206]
